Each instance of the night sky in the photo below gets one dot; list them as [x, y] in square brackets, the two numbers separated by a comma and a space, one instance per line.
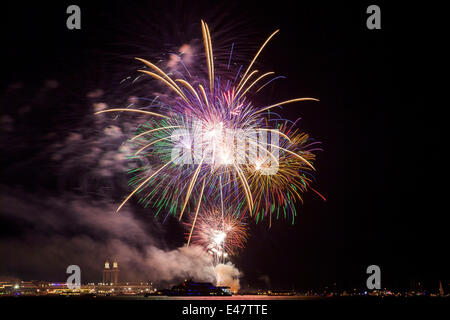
[380, 168]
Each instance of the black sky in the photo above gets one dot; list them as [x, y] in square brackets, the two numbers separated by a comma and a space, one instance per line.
[380, 169]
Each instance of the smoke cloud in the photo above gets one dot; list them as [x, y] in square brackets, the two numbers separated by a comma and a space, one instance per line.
[51, 233]
[228, 275]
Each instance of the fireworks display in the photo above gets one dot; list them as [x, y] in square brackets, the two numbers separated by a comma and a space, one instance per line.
[211, 154]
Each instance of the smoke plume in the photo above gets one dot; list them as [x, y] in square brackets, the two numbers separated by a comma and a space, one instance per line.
[228, 275]
[48, 234]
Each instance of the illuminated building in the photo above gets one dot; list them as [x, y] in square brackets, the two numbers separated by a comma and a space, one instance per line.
[111, 276]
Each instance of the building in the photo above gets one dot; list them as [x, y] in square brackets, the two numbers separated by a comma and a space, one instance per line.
[111, 275]
[109, 286]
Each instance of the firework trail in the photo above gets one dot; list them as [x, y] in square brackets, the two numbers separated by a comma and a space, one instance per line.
[210, 143]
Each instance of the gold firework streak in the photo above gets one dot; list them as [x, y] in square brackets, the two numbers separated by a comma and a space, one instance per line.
[196, 212]
[209, 55]
[133, 110]
[256, 56]
[153, 130]
[191, 186]
[286, 102]
[294, 154]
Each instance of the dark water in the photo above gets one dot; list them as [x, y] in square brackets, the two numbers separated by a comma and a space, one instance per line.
[221, 298]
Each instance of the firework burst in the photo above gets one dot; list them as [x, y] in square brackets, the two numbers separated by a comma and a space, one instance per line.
[277, 194]
[221, 235]
[209, 142]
